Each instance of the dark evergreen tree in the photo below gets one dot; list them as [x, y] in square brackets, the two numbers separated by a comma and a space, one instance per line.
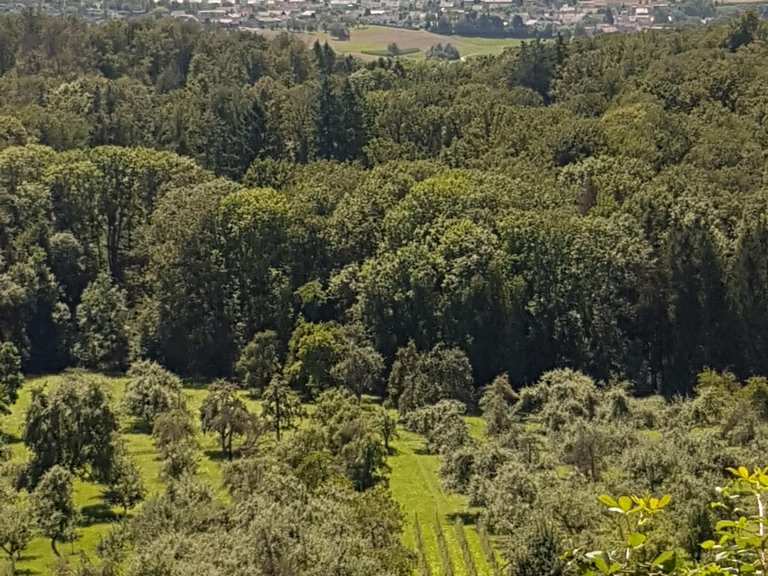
[327, 117]
[534, 67]
[353, 136]
[697, 310]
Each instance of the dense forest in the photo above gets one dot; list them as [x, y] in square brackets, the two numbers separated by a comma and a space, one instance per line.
[570, 238]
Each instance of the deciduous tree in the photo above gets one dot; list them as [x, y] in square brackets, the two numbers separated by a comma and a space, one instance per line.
[224, 413]
[11, 377]
[281, 405]
[151, 390]
[71, 426]
[54, 507]
[258, 362]
[16, 524]
[125, 484]
[102, 319]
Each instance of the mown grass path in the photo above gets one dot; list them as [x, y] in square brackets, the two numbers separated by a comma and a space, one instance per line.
[415, 484]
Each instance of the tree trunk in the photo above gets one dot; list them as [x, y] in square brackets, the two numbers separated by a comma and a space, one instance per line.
[11, 557]
[277, 428]
[278, 416]
[53, 547]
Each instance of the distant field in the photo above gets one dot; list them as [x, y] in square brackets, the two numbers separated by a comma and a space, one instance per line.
[375, 39]
[385, 53]
[414, 482]
[738, 2]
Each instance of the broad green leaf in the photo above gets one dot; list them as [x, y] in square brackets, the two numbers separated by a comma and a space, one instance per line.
[664, 558]
[602, 564]
[708, 545]
[608, 500]
[625, 503]
[636, 539]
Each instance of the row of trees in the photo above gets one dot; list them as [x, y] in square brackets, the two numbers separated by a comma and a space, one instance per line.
[440, 52]
[486, 26]
[113, 254]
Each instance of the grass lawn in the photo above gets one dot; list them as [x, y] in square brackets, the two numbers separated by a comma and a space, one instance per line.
[97, 515]
[375, 39]
[414, 482]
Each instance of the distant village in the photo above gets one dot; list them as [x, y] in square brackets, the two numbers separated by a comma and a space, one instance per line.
[485, 18]
[505, 17]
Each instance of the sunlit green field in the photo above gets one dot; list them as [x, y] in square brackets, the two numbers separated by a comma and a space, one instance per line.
[414, 483]
[377, 38]
[97, 515]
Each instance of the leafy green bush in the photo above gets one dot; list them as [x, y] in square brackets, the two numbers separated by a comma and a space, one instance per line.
[442, 424]
[738, 545]
[540, 556]
[102, 318]
[496, 404]
[559, 397]
[151, 390]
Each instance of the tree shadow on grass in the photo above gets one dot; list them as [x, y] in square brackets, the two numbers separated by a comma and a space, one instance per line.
[137, 426]
[9, 437]
[467, 518]
[196, 383]
[98, 514]
[218, 455]
[26, 571]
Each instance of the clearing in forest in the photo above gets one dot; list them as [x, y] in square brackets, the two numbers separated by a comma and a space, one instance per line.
[377, 38]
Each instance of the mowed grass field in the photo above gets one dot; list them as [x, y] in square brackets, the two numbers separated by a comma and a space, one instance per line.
[414, 482]
[377, 38]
